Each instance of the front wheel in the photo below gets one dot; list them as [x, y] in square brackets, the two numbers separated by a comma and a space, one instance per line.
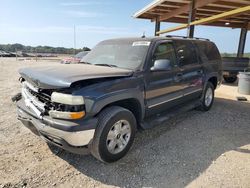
[207, 97]
[114, 134]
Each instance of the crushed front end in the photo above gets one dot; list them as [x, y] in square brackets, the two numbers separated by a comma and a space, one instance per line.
[56, 116]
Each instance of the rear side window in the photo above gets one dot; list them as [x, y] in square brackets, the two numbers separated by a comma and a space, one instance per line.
[208, 51]
[186, 52]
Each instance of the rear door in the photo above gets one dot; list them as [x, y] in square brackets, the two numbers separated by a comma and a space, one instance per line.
[191, 69]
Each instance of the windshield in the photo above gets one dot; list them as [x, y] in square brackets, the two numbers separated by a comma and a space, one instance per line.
[118, 53]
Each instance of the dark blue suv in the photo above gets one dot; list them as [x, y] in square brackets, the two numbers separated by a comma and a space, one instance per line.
[120, 86]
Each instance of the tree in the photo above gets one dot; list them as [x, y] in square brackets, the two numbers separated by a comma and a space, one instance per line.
[39, 49]
[86, 48]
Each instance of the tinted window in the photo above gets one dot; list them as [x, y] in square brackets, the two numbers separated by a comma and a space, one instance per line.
[208, 51]
[165, 51]
[186, 53]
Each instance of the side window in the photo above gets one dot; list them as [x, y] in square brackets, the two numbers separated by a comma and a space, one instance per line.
[208, 51]
[212, 52]
[186, 53]
[165, 51]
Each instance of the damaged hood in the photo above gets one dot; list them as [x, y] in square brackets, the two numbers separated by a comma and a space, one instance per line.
[62, 76]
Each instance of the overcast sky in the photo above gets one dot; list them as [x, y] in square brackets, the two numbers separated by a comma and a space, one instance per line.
[51, 23]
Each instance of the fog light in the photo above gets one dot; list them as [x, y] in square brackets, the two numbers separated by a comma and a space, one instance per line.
[66, 115]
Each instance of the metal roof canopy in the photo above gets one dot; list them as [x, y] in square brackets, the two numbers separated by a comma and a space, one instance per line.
[222, 13]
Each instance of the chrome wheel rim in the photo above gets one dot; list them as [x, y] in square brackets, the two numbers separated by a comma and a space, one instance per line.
[118, 136]
[208, 97]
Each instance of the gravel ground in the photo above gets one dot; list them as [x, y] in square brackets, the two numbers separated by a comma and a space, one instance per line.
[195, 149]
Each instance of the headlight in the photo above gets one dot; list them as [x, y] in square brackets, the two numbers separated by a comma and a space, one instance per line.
[67, 99]
[66, 115]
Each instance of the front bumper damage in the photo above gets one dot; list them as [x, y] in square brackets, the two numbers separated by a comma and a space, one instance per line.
[73, 136]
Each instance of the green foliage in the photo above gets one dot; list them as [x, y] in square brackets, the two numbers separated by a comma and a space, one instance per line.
[40, 49]
[86, 49]
[234, 55]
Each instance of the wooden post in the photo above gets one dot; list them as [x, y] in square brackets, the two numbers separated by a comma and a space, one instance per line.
[157, 26]
[191, 18]
[242, 42]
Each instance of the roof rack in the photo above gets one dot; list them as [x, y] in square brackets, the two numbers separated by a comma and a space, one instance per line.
[178, 36]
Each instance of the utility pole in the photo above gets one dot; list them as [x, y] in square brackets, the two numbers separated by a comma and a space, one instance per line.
[16, 54]
[36, 54]
[74, 39]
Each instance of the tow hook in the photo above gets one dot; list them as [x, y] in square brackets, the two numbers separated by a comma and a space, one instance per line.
[17, 97]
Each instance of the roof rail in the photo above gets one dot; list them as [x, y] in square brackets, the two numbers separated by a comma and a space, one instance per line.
[178, 36]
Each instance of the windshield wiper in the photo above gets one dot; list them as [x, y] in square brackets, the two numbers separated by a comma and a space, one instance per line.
[107, 65]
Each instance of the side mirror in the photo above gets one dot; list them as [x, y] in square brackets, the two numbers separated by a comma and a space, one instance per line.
[161, 65]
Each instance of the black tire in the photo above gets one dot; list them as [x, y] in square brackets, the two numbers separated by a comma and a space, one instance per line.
[230, 79]
[205, 106]
[106, 119]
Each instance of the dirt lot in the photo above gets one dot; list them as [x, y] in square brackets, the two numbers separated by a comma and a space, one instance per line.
[195, 149]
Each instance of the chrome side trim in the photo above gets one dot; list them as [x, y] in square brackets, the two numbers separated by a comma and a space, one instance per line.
[157, 104]
[192, 92]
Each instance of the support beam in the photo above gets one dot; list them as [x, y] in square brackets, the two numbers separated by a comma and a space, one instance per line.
[222, 15]
[191, 18]
[179, 27]
[157, 26]
[185, 8]
[242, 42]
[209, 19]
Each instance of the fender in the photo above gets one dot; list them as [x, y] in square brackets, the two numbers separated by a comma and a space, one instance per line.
[98, 96]
[213, 74]
[93, 107]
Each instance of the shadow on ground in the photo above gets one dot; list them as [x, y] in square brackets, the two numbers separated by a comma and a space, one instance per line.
[176, 153]
[231, 84]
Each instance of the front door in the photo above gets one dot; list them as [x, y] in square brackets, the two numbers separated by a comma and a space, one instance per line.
[163, 88]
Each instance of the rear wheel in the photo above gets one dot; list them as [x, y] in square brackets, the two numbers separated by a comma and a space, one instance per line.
[230, 79]
[114, 134]
[207, 97]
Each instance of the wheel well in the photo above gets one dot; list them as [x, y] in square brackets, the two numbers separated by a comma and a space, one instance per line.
[214, 81]
[132, 105]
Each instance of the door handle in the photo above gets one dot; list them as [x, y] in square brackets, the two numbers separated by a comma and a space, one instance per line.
[200, 71]
[178, 77]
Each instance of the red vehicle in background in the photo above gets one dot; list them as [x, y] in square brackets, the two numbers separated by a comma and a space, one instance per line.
[75, 59]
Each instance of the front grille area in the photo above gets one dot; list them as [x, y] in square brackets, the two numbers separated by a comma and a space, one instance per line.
[39, 99]
[40, 96]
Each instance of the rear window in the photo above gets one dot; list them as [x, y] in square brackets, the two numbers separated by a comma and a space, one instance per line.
[186, 52]
[208, 50]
